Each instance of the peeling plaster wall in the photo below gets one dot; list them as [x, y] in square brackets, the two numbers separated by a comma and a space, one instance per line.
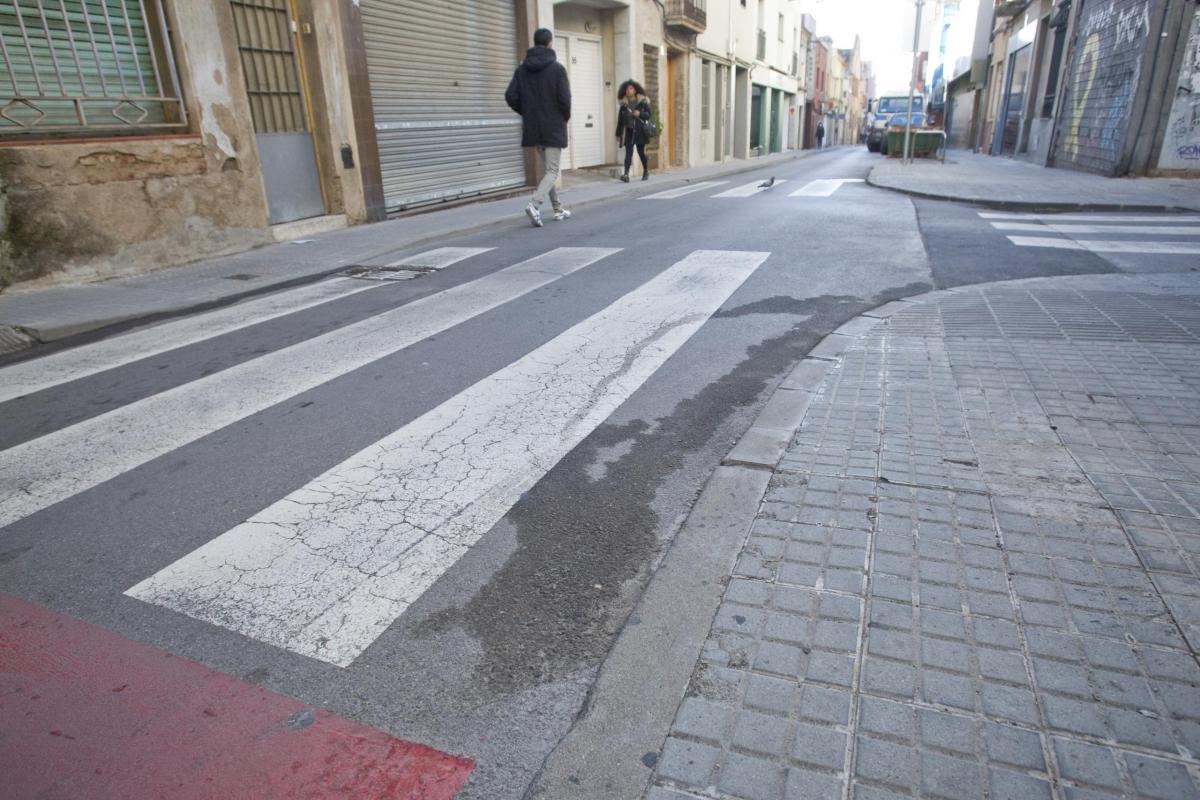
[86, 209]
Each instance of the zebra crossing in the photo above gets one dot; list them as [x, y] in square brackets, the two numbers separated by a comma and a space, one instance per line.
[324, 570]
[1172, 234]
[824, 187]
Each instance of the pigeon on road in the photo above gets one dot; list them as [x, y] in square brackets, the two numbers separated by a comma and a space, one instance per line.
[767, 184]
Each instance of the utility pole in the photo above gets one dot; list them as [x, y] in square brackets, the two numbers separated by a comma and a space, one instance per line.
[912, 82]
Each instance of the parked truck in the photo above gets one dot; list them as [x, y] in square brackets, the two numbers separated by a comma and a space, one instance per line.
[885, 108]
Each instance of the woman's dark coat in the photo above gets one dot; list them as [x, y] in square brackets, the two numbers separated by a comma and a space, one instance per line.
[624, 118]
[540, 93]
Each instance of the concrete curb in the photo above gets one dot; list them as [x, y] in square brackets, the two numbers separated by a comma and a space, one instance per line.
[610, 751]
[104, 326]
[1029, 206]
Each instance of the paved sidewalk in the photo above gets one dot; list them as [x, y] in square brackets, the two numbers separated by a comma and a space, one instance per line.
[1009, 183]
[32, 313]
[976, 571]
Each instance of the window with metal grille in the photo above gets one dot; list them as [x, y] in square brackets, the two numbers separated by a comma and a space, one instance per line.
[705, 95]
[264, 32]
[72, 66]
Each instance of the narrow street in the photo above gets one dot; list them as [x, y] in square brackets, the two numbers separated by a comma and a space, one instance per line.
[429, 506]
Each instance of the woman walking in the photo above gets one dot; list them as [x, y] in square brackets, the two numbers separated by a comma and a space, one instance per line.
[634, 114]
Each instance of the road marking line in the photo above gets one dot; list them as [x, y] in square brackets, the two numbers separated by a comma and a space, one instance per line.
[440, 258]
[749, 189]
[1101, 246]
[1045, 241]
[131, 720]
[79, 362]
[1131, 217]
[49, 469]
[1146, 230]
[671, 194]
[823, 188]
[324, 571]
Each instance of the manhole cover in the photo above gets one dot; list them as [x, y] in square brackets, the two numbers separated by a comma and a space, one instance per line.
[241, 276]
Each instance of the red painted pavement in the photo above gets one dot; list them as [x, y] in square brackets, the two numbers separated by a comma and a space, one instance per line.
[85, 713]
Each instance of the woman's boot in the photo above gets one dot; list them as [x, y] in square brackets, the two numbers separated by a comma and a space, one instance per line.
[625, 177]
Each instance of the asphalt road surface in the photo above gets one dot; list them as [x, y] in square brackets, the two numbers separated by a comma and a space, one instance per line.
[429, 505]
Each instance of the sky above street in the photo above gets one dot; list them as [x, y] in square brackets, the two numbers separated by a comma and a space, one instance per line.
[885, 27]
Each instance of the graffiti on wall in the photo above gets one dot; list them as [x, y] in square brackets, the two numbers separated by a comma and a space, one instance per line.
[1181, 146]
[1103, 82]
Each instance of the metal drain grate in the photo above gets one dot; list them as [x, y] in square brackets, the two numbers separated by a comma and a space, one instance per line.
[14, 340]
[405, 273]
[242, 276]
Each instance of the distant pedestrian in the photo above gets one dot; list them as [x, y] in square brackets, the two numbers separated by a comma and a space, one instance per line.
[540, 93]
[820, 134]
[632, 117]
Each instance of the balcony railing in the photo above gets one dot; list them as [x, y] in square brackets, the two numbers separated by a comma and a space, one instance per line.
[689, 15]
[762, 45]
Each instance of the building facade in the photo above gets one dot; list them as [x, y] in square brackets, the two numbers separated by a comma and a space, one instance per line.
[137, 134]
[1105, 86]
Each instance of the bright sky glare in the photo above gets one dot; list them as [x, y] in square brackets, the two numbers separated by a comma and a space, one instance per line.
[881, 24]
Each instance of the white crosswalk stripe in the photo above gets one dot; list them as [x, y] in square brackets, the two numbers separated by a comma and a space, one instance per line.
[1121, 232]
[671, 194]
[440, 258]
[1090, 217]
[56, 466]
[1101, 246]
[1145, 230]
[824, 187]
[324, 571]
[749, 189]
[79, 362]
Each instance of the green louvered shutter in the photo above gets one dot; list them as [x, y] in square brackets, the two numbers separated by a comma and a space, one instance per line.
[84, 64]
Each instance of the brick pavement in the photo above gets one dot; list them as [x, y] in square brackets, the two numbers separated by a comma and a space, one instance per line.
[976, 572]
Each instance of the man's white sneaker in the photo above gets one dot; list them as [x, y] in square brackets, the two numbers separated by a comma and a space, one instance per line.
[534, 215]
[562, 214]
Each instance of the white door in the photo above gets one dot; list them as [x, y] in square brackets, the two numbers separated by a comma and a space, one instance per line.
[586, 130]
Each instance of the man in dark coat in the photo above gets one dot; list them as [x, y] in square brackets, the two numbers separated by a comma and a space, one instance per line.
[540, 93]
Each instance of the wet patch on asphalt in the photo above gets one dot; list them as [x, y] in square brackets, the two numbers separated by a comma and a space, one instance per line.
[585, 541]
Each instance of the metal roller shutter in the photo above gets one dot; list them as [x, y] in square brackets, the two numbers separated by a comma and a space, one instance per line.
[438, 73]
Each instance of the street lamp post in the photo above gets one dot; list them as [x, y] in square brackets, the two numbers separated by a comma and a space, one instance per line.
[912, 83]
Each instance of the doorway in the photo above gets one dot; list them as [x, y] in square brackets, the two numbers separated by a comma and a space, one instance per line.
[676, 131]
[266, 37]
[582, 57]
[1008, 134]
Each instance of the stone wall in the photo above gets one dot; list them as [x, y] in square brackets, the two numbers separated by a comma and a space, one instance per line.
[93, 208]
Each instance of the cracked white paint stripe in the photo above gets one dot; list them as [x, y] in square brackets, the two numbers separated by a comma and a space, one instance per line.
[89, 359]
[823, 188]
[1101, 246]
[49, 469]
[748, 189]
[440, 258]
[324, 571]
[1145, 230]
[671, 194]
